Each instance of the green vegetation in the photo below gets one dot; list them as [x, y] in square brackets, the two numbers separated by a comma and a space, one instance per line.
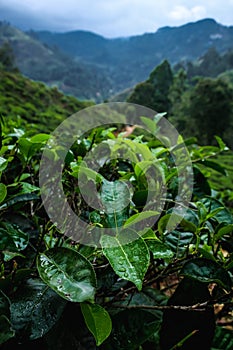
[154, 92]
[28, 102]
[161, 276]
[114, 294]
[211, 64]
[51, 66]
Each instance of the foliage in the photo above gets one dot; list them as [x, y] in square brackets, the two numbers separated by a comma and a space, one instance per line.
[7, 58]
[24, 101]
[154, 92]
[119, 293]
[211, 64]
[211, 108]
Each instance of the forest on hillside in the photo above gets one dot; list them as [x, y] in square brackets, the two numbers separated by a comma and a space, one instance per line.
[152, 266]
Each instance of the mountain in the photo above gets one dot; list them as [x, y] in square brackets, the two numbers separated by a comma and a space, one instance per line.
[130, 60]
[48, 64]
[89, 66]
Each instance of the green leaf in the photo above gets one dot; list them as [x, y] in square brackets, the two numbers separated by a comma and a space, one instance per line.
[150, 124]
[3, 164]
[128, 255]
[97, 320]
[145, 215]
[11, 255]
[221, 144]
[80, 171]
[40, 138]
[179, 242]
[3, 192]
[159, 249]
[214, 165]
[27, 148]
[19, 199]
[170, 221]
[222, 231]
[68, 273]
[115, 197]
[141, 168]
[223, 215]
[12, 238]
[222, 339]
[35, 309]
[214, 212]
[6, 331]
[26, 187]
[207, 271]
[189, 215]
[139, 149]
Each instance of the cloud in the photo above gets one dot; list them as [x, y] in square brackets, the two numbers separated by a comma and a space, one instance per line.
[183, 13]
[111, 18]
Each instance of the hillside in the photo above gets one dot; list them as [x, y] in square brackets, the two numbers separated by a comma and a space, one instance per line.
[130, 60]
[33, 104]
[40, 62]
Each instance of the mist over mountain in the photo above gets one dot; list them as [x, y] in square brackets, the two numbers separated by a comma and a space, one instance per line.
[130, 60]
[90, 66]
[54, 67]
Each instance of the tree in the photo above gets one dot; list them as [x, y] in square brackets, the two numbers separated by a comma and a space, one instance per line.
[7, 58]
[211, 108]
[154, 92]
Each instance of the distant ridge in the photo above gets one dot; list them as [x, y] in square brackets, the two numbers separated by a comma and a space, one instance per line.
[90, 66]
[130, 61]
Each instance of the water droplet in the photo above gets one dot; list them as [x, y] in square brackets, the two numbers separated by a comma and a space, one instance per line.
[126, 275]
[121, 261]
[122, 269]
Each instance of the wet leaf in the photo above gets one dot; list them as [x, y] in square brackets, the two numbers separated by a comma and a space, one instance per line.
[149, 215]
[159, 249]
[68, 273]
[178, 241]
[12, 238]
[35, 308]
[115, 197]
[128, 255]
[207, 271]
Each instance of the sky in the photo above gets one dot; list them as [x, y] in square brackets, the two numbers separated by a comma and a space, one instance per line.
[112, 18]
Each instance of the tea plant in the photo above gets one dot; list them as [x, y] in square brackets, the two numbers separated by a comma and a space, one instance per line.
[151, 287]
